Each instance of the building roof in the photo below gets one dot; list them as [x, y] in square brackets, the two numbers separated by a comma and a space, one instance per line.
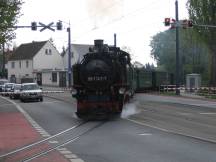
[27, 51]
[81, 49]
[78, 51]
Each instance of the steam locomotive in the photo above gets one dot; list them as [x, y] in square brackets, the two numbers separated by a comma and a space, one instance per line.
[102, 81]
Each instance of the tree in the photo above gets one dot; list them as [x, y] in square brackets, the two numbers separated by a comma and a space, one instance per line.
[10, 12]
[193, 53]
[204, 13]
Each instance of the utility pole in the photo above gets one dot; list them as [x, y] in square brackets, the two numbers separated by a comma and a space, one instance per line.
[177, 49]
[69, 57]
[3, 60]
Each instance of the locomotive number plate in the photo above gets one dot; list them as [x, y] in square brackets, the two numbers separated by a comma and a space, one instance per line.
[97, 78]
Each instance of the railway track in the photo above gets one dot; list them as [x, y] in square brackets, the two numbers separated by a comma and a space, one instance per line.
[52, 143]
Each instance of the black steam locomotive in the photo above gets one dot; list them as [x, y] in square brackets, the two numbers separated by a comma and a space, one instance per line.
[102, 81]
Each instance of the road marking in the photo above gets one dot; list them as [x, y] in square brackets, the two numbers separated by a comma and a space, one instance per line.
[43, 132]
[170, 131]
[53, 142]
[208, 113]
[140, 123]
[65, 152]
[145, 134]
[76, 160]
[181, 113]
[2, 105]
[71, 156]
[61, 149]
[48, 102]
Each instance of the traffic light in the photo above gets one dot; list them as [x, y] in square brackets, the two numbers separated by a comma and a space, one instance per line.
[59, 25]
[167, 22]
[34, 26]
[190, 23]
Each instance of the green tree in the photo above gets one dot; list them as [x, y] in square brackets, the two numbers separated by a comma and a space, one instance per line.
[193, 53]
[203, 12]
[9, 13]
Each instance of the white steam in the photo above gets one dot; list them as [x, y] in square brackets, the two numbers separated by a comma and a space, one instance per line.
[104, 11]
[129, 109]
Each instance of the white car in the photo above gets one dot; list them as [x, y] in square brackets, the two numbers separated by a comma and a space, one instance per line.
[2, 82]
[15, 91]
[7, 88]
[30, 91]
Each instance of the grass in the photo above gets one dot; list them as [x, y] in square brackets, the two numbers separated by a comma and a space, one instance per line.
[171, 93]
[207, 95]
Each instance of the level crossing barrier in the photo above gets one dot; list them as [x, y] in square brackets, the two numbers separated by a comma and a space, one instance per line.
[204, 90]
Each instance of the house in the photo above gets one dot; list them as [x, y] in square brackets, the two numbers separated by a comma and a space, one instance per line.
[42, 63]
[39, 62]
[77, 53]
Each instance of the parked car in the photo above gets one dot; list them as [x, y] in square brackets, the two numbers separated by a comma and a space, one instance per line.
[2, 82]
[7, 88]
[30, 91]
[16, 91]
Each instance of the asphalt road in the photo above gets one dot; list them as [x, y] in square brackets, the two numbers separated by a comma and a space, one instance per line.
[158, 131]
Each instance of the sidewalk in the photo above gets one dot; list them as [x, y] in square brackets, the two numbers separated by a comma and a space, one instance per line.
[191, 95]
[16, 132]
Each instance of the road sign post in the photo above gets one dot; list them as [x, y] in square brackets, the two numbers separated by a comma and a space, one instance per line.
[177, 50]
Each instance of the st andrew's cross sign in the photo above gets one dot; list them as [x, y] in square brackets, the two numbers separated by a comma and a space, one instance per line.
[49, 26]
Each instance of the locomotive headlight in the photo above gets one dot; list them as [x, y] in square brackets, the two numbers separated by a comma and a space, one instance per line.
[74, 91]
[121, 90]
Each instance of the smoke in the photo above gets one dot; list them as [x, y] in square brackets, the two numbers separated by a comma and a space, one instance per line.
[129, 109]
[104, 11]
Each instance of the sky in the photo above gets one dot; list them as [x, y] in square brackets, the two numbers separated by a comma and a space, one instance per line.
[134, 21]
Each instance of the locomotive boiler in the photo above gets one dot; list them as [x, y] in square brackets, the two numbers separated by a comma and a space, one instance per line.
[102, 81]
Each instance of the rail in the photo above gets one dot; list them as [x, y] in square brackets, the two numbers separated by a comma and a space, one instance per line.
[43, 147]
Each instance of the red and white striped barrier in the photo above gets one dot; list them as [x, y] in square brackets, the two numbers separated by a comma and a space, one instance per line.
[173, 87]
[67, 89]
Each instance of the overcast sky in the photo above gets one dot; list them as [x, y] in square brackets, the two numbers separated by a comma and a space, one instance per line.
[134, 22]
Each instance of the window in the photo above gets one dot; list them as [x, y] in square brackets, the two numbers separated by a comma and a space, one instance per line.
[27, 64]
[54, 77]
[48, 51]
[12, 65]
[20, 64]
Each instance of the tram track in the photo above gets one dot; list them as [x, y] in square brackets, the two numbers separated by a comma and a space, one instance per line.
[41, 148]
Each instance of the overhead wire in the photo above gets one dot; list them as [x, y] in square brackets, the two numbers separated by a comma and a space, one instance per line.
[98, 12]
[133, 13]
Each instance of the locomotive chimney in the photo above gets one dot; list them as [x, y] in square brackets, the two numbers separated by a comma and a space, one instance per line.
[98, 43]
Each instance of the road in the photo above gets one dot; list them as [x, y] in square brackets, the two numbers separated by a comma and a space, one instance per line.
[152, 129]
